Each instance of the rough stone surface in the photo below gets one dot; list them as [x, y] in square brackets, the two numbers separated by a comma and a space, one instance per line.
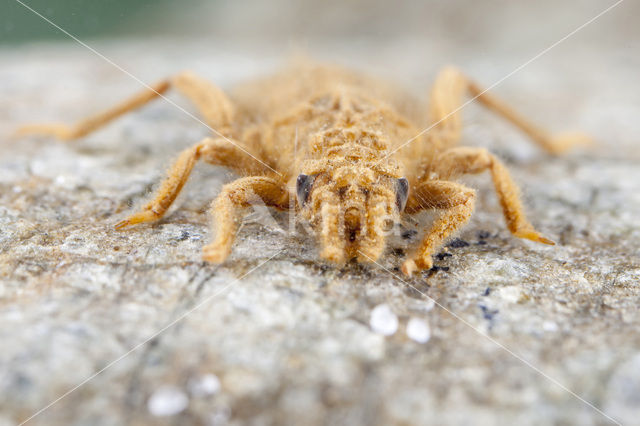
[288, 337]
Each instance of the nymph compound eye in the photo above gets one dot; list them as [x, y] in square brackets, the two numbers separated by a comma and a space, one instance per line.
[303, 188]
[402, 193]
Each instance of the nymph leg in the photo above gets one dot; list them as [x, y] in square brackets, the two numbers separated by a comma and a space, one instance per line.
[215, 151]
[227, 208]
[212, 103]
[447, 97]
[464, 160]
[457, 201]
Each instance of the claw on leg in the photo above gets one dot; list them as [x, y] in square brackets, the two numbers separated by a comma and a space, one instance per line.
[215, 253]
[562, 142]
[533, 235]
[58, 131]
[416, 264]
[140, 217]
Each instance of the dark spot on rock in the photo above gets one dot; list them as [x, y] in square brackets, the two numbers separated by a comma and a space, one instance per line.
[481, 243]
[457, 243]
[487, 291]
[116, 248]
[21, 382]
[415, 292]
[487, 313]
[440, 268]
[409, 233]
[483, 235]
[184, 236]
[398, 252]
[442, 255]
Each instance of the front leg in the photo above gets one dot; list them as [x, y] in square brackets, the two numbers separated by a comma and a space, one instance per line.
[457, 201]
[226, 210]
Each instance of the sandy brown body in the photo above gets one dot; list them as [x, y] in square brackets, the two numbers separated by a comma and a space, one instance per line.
[350, 143]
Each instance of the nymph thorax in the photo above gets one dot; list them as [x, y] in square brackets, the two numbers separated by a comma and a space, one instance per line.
[323, 112]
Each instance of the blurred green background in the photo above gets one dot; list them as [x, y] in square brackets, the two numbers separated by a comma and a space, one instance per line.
[82, 18]
[462, 22]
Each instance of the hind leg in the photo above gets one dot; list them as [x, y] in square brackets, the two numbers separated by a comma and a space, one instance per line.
[212, 103]
[446, 103]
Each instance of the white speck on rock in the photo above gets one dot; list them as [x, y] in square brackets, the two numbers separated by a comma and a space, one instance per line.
[205, 385]
[219, 417]
[60, 180]
[418, 330]
[510, 294]
[429, 304]
[623, 396]
[383, 320]
[549, 326]
[167, 401]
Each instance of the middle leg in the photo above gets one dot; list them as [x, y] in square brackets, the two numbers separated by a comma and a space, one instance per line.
[215, 151]
[467, 160]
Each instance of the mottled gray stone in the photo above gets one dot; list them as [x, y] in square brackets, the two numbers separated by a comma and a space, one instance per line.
[290, 342]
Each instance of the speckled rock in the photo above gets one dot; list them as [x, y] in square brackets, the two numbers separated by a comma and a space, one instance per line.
[286, 338]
